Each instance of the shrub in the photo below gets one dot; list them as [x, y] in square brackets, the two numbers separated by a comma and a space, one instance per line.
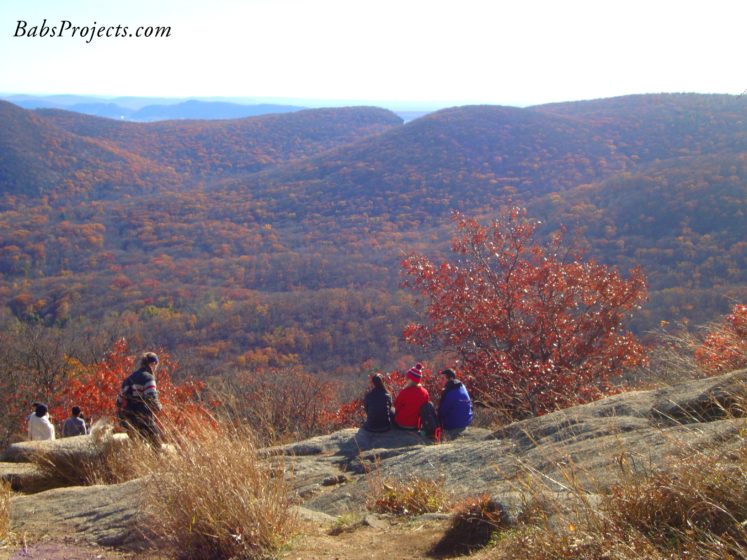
[472, 527]
[279, 405]
[413, 496]
[213, 498]
[536, 325]
[682, 354]
[725, 345]
[95, 387]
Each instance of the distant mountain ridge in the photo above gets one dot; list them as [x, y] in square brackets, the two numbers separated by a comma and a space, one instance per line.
[192, 149]
[163, 110]
[479, 156]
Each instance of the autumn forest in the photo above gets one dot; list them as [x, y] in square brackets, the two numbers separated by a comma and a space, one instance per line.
[278, 241]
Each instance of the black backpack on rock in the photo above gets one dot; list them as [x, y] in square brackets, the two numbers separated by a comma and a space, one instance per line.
[429, 425]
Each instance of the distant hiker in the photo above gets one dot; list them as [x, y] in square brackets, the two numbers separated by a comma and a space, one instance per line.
[138, 401]
[40, 426]
[410, 399]
[378, 406]
[455, 408]
[75, 425]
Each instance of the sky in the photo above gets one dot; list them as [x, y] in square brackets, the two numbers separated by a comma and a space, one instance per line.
[393, 52]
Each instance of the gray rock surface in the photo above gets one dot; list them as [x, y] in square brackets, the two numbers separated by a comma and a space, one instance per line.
[104, 515]
[23, 477]
[79, 446]
[585, 448]
[590, 447]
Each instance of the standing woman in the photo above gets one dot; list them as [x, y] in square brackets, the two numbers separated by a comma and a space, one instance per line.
[138, 401]
[378, 406]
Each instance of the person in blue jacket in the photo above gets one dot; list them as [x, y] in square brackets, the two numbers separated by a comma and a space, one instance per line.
[455, 408]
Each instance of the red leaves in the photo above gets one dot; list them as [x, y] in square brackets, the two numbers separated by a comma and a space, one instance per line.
[536, 326]
[94, 388]
[725, 346]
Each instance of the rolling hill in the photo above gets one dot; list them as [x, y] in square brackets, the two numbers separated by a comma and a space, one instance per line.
[276, 240]
[38, 158]
[230, 147]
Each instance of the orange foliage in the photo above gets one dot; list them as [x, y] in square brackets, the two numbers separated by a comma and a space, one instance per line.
[537, 327]
[725, 346]
[94, 387]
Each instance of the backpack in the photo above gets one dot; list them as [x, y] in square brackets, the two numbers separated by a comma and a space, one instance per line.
[429, 422]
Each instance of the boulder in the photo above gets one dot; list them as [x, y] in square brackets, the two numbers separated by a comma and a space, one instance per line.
[58, 449]
[106, 515]
[23, 477]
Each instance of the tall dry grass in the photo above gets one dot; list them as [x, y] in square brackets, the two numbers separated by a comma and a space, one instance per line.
[102, 458]
[5, 493]
[413, 495]
[696, 508]
[211, 497]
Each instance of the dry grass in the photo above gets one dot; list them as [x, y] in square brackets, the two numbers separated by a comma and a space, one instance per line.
[695, 508]
[213, 498]
[5, 494]
[699, 505]
[412, 496]
[100, 459]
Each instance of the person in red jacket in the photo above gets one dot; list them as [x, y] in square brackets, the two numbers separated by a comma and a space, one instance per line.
[410, 399]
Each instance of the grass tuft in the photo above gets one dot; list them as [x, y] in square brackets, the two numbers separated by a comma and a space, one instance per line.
[412, 496]
[695, 508]
[213, 498]
[98, 459]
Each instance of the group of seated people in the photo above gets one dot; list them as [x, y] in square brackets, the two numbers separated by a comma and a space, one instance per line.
[413, 403]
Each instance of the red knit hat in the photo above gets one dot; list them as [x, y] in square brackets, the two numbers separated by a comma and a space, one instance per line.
[415, 373]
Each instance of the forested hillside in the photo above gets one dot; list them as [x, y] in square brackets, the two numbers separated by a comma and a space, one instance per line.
[277, 239]
[229, 147]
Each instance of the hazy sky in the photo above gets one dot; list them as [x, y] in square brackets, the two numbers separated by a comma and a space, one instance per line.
[517, 52]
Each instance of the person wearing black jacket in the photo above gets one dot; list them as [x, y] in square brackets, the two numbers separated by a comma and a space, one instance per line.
[378, 406]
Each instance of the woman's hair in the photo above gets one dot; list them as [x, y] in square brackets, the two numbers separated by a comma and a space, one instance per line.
[378, 382]
[148, 359]
[41, 410]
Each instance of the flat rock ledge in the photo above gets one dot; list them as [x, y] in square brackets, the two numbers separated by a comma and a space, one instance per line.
[595, 445]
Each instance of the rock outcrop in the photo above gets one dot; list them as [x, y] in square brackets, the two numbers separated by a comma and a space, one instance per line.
[587, 447]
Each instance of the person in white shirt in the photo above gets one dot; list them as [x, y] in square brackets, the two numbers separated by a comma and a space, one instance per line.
[40, 427]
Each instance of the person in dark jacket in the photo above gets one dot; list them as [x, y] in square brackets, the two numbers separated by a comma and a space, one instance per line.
[75, 425]
[455, 408]
[378, 406]
[138, 401]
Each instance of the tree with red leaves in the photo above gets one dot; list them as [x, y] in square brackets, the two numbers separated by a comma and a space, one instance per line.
[725, 346]
[94, 388]
[535, 325]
